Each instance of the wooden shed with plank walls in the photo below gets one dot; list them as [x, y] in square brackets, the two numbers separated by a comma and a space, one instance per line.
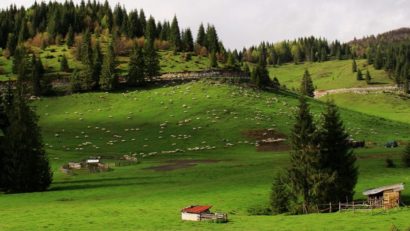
[384, 197]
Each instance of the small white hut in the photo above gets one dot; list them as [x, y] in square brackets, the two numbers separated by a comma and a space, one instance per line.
[194, 212]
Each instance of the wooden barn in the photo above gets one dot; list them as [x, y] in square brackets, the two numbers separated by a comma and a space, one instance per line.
[384, 197]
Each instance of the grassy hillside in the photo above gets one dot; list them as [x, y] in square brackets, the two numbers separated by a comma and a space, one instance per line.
[228, 173]
[51, 57]
[328, 75]
[386, 105]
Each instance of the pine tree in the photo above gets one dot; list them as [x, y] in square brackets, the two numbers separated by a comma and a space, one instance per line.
[336, 158]
[212, 39]
[75, 81]
[108, 79]
[86, 49]
[406, 156]
[303, 157]
[306, 86]
[64, 64]
[70, 37]
[354, 66]
[201, 36]
[11, 43]
[359, 75]
[261, 74]
[368, 77]
[175, 35]
[151, 61]
[37, 72]
[281, 196]
[187, 40]
[136, 67]
[150, 31]
[213, 62]
[97, 65]
[18, 59]
[26, 167]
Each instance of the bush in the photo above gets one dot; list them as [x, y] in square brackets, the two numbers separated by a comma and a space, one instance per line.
[390, 163]
[406, 156]
[259, 210]
[281, 196]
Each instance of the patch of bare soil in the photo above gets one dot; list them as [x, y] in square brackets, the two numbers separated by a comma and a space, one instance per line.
[179, 164]
[268, 140]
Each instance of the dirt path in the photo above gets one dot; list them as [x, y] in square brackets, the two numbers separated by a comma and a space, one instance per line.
[357, 90]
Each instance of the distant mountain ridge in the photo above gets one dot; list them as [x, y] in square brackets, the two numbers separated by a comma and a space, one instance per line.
[393, 36]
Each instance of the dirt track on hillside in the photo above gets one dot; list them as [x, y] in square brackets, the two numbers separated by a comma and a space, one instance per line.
[356, 90]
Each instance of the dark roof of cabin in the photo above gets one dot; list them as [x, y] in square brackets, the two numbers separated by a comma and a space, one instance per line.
[395, 188]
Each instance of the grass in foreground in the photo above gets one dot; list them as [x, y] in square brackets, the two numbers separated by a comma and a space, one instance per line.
[134, 197]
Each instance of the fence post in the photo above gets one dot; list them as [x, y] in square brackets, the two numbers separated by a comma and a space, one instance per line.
[330, 207]
[340, 207]
[353, 206]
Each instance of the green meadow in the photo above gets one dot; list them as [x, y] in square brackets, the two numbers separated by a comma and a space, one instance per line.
[194, 147]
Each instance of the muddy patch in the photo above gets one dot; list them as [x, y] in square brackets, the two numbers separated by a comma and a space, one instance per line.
[268, 140]
[180, 164]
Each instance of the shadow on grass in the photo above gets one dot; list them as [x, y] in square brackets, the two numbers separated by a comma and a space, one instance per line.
[104, 182]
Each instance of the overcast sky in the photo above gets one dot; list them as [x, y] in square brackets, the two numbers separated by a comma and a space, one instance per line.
[247, 22]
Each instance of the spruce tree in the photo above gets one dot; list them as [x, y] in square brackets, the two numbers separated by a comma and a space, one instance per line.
[354, 66]
[406, 155]
[75, 81]
[11, 43]
[187, 40]
[108, 79]
[175, 35]
[359, 75]
[37, 72]
[64, 64]
[213, 62]
[201, 36]
[152, 68]
[368, 77]
[303, 157]
[306, 86]
[18, 59]
[70, 37]
[336, 157]
[26, 167]
[281, 196]
[136, 67]
[150, 31]
[86, 49]
[97, 65]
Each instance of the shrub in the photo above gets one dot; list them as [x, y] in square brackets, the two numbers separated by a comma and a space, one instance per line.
[390, 163]
[281, 196]
[406, 156]
[259, 210]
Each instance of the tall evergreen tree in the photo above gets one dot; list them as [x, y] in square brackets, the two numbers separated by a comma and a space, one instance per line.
[303, 157]
[368, 77]
[187, 40]
[151, 61]
[359, 75]
[406, 155]
[150, 31]
[86, 49]
[97, 65]
[212, 39]
[213, 62]
[336, 157]
[108, 78]
[306, 86]
[37, 72]
[201, 36]
[354, 66]
[18, 59]
[70, 37]
[11, 43]
[175, 34]
[26, 167]
[136, 67]
[64, 64]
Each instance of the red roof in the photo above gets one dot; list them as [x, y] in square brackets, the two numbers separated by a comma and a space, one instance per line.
[196, 209]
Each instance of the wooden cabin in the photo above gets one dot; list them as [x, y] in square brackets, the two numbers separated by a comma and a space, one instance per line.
[200, 213]
[386, 197]
[194, 212]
